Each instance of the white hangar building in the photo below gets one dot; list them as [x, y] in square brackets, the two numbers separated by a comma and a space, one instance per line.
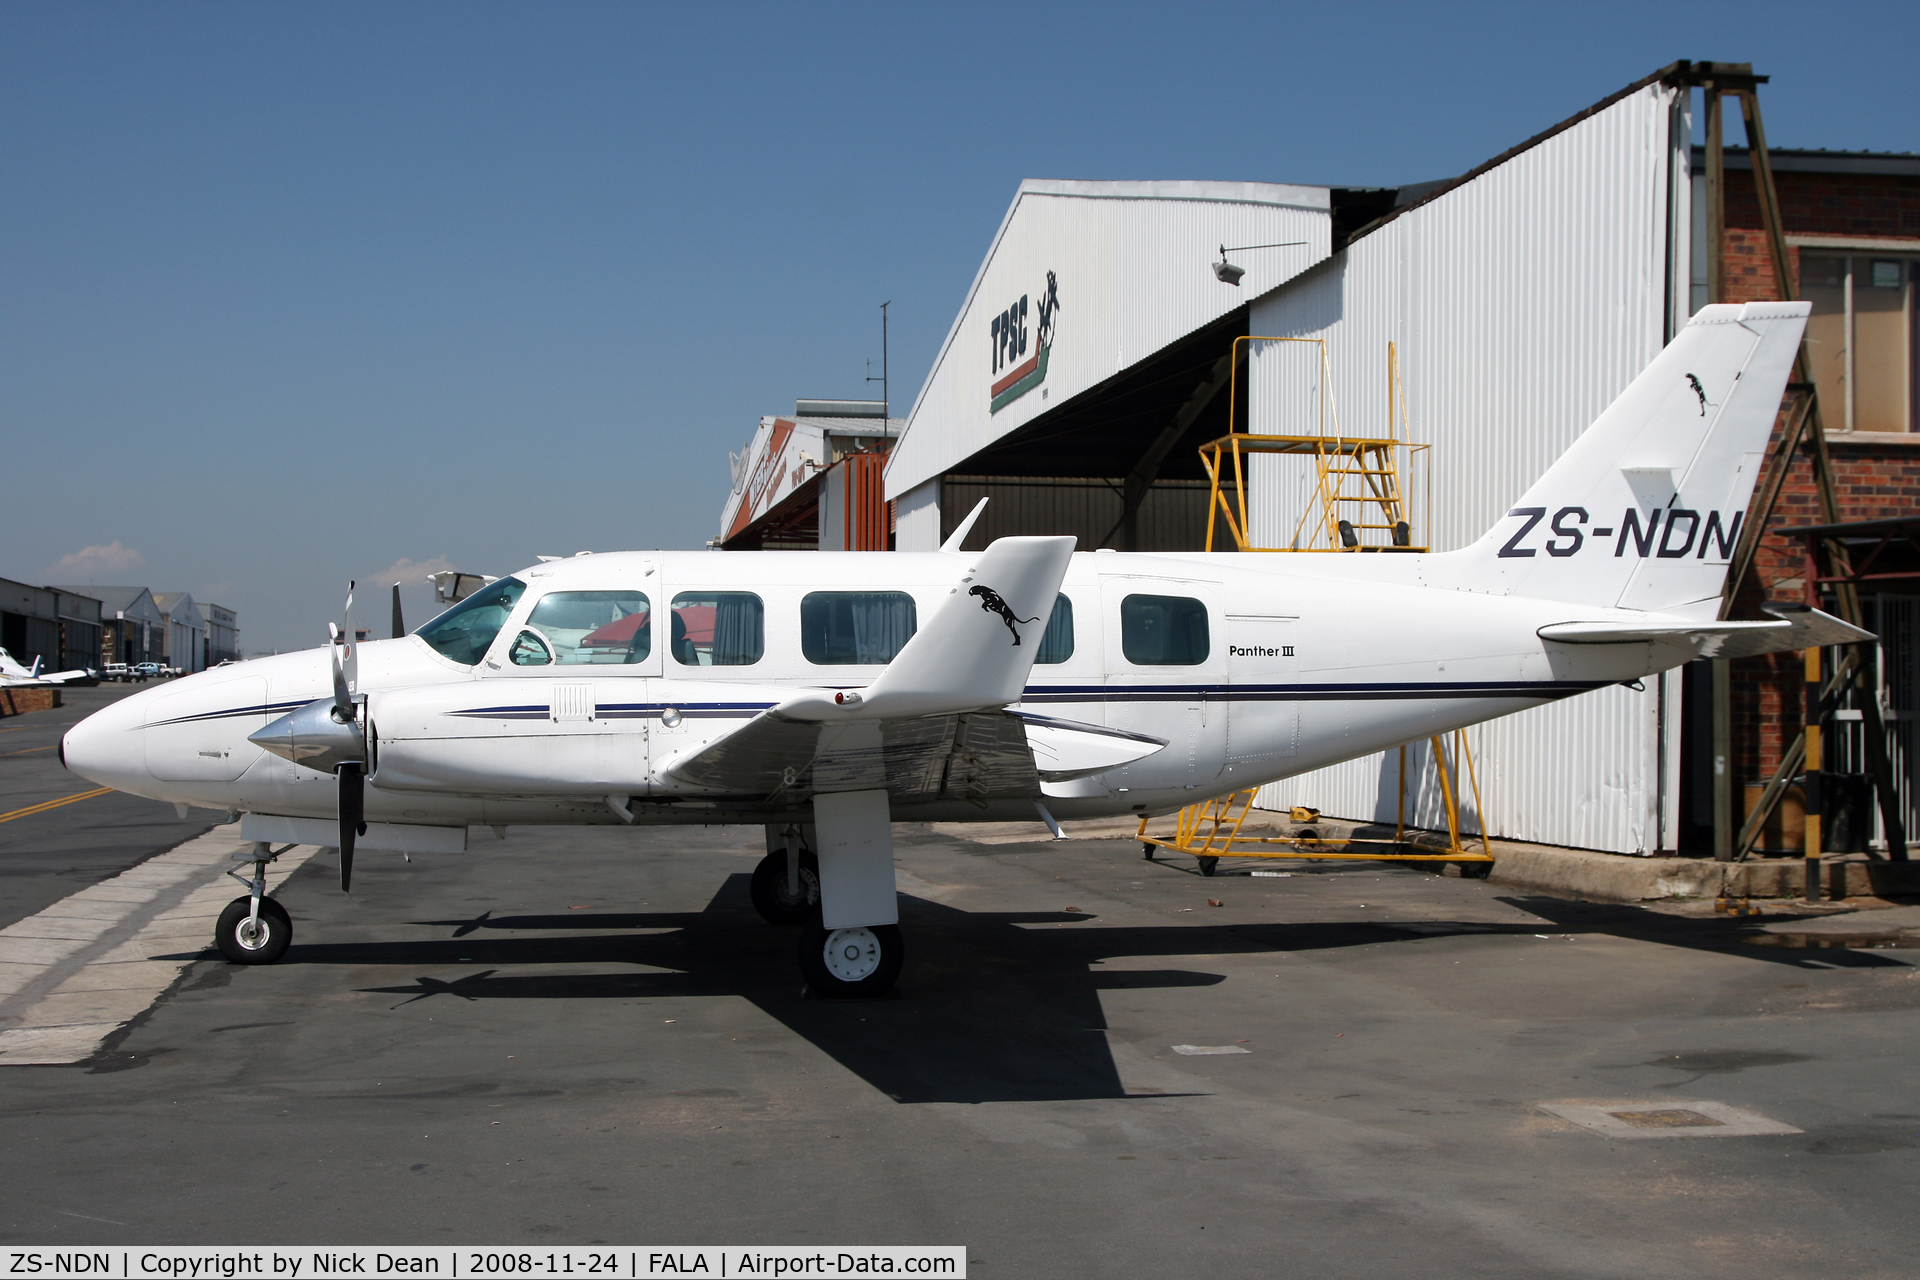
[1093, 355]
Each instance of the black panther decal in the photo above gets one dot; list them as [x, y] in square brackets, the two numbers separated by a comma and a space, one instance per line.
[991, 602]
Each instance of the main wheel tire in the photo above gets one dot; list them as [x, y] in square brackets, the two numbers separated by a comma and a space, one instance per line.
[850, 964]
[1208, 865]
[769, 889]
[262, 945]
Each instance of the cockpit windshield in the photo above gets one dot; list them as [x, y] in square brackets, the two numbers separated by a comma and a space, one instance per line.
[464, 632]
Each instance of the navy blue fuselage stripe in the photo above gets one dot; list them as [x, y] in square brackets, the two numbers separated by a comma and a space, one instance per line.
[1412, 690]
[262, 709]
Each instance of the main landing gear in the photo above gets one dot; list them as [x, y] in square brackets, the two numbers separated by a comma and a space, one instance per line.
[786, 887]
[253, 928]
[852, 962]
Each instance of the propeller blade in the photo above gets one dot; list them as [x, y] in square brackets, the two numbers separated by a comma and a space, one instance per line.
[342, 694]
[351, 662]
[399, 626]
[353, 808]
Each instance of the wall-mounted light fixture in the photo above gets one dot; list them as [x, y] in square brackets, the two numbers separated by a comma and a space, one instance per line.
[1226, 273]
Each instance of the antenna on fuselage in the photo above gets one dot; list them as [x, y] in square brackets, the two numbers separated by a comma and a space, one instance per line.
[966, 527]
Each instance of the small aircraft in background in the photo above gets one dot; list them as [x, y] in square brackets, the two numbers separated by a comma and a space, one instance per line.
[824, 696]
[15, 676]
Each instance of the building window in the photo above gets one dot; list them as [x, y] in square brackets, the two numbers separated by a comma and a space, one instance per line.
[718, 629]
[1860, 339]
[855, 628]
[1163, 631]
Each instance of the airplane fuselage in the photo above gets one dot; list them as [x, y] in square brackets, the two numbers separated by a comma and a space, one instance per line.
[1250, 669]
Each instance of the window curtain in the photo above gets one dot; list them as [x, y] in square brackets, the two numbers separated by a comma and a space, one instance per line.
[737, 629]
[883, 622]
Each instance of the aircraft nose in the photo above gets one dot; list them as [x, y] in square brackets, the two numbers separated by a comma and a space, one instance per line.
[105, 750]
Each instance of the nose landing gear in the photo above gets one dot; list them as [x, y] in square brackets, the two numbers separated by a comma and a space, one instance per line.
[253, 928]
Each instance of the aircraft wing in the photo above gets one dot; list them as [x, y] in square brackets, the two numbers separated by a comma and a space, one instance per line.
[1787, 631]
[975, 756]
[931, 724]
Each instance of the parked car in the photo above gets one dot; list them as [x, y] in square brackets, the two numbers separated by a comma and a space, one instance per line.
[118, 671]
[149, 670]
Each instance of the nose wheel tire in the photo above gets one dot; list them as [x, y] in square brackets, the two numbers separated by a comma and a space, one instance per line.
[770, 895]
[1208, 865]
[244, 941]
[850, 964]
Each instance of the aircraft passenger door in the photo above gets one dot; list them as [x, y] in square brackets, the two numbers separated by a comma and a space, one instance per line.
[1263, 720]
[1166, 676]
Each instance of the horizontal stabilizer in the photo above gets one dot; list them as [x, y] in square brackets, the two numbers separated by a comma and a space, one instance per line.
[1786, 632]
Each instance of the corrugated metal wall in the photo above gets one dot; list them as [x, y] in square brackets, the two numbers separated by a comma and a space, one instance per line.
[1521, 303]
[1173, 516]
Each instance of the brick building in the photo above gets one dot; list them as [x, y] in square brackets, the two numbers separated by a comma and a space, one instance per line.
[1852, 224]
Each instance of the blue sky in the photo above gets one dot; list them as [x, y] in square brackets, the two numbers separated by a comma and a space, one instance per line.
[295, 293]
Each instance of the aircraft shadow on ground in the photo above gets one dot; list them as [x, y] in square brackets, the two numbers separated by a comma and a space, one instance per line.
[995, 1006]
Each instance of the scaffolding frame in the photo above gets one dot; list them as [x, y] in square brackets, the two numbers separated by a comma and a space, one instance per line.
[1210, 829]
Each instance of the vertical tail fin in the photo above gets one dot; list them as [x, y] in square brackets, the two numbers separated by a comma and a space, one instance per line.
[1644, 510]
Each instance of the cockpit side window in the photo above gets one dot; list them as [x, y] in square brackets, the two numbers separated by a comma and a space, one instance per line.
[465, 632]
[593, 627]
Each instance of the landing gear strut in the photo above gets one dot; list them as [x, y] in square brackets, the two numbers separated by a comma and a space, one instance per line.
[253, 928]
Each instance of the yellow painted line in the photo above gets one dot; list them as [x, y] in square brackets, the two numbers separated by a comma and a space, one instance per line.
[32, 809]
[29, 750]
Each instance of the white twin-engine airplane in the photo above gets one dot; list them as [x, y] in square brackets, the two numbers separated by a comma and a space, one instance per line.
[828, 695]
[15, 676]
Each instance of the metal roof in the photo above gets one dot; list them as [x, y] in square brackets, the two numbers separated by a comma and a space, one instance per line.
[1896, 164]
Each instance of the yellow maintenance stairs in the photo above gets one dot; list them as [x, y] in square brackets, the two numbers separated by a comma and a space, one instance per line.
[1361, 504]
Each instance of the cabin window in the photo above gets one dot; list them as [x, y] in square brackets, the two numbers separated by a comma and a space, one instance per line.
[1163, 631]
[717, 629]
[583, 628]
[855, 628]
[1057, 644]
[465, 632]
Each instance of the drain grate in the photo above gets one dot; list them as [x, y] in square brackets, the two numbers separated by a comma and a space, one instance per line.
[1677, 1119]
[1666, 1118]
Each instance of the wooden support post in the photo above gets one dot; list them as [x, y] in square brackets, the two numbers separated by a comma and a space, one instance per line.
[1716, 199]
[1812, 786]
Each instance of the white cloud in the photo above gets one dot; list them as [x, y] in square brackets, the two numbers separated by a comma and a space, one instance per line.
[408, 572]
[96, 564]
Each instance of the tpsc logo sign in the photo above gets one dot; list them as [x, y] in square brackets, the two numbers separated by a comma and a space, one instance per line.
[1020, 350]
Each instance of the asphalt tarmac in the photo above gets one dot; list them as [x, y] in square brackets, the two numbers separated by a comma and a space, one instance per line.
[581, 1037]
[46, 855]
